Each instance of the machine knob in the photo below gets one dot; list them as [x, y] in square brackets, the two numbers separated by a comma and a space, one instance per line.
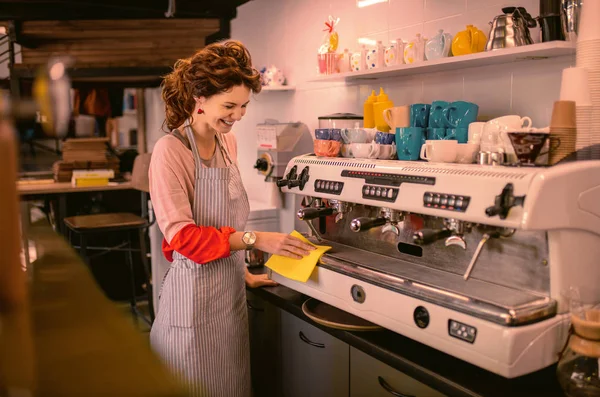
[504, 202]
[428, 236]
[306, 214]
[294, 183]
[282, 182]
[261, 164]
[363, 224]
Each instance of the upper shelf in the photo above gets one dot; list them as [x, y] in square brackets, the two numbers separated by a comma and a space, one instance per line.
[278, 88]
[534, 51]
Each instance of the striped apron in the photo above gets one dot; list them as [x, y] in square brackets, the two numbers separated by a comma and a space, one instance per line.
[201, 329]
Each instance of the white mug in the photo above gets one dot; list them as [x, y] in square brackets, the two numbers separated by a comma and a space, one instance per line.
[364, 150]
[386, 152]
[466, 152]
[439, 151]
[397, 117]
[475, 131]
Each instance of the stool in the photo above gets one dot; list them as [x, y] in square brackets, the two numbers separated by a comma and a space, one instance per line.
[85, 225]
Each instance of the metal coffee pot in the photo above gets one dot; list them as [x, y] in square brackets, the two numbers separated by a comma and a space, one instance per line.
[510, 29]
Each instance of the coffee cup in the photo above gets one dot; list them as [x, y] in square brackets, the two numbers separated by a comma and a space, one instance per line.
[322, 134]
[384, 138]
[436, 133]
[460, 114]
[326, 148]
[466, 153]
[397, 117]
[436, 114]
[408, 142]
[364, 150]
[458, 134]
[475, 131]
[354, 135]
[419, 115]
[386, 152]
[439, 151]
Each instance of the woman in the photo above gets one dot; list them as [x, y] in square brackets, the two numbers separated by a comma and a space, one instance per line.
[201, 329]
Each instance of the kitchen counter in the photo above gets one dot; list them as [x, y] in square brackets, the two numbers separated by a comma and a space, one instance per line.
[436, 369]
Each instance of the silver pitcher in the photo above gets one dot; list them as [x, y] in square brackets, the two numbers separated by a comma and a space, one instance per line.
[510, 29]
[570, 15]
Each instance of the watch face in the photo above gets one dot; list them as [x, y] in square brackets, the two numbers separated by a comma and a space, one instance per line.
[249, 238]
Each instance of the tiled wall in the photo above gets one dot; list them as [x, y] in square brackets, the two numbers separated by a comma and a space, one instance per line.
[287, 33]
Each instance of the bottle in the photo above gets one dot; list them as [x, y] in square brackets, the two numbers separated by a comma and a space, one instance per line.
[368, 120]
[382, 103]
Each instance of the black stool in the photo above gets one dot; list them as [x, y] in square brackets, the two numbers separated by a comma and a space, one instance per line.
[128, 223]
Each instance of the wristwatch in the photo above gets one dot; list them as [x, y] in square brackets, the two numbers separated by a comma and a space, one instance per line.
[249, 238]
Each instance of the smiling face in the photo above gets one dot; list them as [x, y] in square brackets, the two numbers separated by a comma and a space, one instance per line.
[222, 110]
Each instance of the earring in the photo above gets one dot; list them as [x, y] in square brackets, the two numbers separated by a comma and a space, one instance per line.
[200, 111]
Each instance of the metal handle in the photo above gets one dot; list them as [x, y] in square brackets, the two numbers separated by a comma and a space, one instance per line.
[363, 224]
[305, 214]
[428, 236]
[314, 231]
[389, 389]
[249, 305]
[484, 239]
[308, 341]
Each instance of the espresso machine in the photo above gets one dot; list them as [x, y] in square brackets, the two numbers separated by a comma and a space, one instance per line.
[471, 260]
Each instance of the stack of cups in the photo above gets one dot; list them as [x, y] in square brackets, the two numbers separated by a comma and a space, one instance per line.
[588, 57]
[563, 131]
[574, 87]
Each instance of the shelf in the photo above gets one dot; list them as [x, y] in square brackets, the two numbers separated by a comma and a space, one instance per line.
[279, 88]
[530, 52]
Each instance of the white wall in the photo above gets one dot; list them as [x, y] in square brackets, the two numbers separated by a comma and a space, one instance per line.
[287, 33]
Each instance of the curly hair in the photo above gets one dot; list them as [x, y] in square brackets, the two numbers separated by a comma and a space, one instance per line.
[214, 69]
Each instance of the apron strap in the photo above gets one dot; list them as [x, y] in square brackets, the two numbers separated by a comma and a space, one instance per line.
[194, 148]
[184, 140]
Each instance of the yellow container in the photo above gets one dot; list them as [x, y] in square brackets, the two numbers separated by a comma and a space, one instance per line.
[368, 120]
[383, 102]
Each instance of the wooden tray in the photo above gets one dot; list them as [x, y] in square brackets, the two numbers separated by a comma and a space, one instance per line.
[333, 317]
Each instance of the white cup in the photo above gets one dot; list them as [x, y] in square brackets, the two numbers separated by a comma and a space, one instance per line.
[575, 86]
[397, 117]
[475, 131]
[386, 152]
[345, 150]
[467, 152]
[364, 150]
[439, 151]
[511, 121]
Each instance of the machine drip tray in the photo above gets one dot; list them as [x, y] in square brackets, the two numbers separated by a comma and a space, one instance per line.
[492, 302]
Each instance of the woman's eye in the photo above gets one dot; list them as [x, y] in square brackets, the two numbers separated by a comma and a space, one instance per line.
[228, 107]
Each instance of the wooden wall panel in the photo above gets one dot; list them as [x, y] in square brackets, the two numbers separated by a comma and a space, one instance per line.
[117, 43]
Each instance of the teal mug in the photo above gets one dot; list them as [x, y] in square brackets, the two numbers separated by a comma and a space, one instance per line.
[458, 134]
[436, 114]
[460, 114]
[419, 115]
[408, 142]
[436, 134]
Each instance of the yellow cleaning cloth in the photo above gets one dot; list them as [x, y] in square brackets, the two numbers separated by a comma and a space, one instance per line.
[297, 269]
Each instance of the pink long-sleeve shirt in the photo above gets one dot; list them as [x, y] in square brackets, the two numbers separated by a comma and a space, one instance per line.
[172, 176]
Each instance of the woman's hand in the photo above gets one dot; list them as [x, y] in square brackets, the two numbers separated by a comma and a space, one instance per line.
[282, 244]
[259, 280]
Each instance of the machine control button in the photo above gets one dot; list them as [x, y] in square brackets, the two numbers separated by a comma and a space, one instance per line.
[421, 317]
[372, 193]
[390, 193]
[327, 185]
[378, 192]
[336, 186]
[358, 293]
[451, 201]
[444, 200]
[428, 198]
[462, 331]
[366, 190]
[436, 199]
[319, 183]
[459, 203]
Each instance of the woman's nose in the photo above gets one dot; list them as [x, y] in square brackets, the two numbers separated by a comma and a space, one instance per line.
[237, 114]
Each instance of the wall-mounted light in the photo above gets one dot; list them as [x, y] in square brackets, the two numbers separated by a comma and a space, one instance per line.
[366, 3]
[364, 40]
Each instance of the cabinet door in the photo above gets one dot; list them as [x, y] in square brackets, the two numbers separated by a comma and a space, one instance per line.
[370, 377]
[315, 364]
[265, 348]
